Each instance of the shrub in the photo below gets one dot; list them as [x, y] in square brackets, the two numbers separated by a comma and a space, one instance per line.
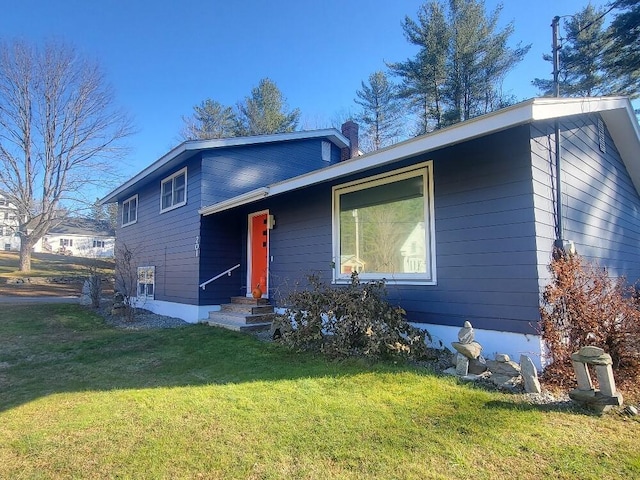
[354, 320]
[584, 306]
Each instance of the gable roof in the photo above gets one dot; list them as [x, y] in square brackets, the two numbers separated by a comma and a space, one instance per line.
[616, 112]
[83, 226]
[186, 149]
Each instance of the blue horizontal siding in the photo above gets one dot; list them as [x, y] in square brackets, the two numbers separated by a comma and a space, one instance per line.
[166, 240]
[485, 237]
[230, 172]
[600, 204]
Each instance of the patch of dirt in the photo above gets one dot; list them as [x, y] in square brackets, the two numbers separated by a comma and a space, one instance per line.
[46, 289]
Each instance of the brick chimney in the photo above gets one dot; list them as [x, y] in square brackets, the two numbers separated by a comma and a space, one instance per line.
[350, 130]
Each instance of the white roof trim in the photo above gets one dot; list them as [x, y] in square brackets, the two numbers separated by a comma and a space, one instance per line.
[243, 199]
[616, 112]
[193, 146]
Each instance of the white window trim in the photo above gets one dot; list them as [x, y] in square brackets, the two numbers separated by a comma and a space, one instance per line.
[122, 213]
[426, 169]
[170, 179]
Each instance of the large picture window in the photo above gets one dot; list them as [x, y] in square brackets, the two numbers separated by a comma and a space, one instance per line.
[130, 211]
[174, 191]
[146, 282]
[383, 227]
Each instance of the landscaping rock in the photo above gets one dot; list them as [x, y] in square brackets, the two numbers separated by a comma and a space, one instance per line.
[462, 365]
[466, 334]
[592, 355]
[85, 298]
[508, 368]
[599, 400]
[477, 365]
[506, 382]
[470, 350]
[529, 375]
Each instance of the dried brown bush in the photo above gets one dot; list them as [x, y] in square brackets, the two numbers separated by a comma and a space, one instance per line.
[354, 320]
[582, 306]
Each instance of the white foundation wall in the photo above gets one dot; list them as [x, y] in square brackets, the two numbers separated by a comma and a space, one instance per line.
[188, 313]
[493, 342]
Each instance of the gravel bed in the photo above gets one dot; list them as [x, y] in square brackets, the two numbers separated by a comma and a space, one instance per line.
[142, 319]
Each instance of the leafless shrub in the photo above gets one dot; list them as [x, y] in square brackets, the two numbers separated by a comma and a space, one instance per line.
[582, 306]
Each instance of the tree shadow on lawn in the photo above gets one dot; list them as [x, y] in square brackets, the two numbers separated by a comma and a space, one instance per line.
[55, 348]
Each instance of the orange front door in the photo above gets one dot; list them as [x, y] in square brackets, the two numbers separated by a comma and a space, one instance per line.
[259, 251]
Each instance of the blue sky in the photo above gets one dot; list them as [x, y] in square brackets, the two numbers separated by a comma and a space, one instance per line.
[163, 56]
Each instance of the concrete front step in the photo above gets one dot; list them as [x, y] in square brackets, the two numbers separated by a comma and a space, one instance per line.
[238, 326]
[242, 317]
[246, 308]
[250, 301]
[243, 313]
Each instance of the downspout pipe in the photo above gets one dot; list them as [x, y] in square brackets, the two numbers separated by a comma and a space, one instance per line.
[559, 242]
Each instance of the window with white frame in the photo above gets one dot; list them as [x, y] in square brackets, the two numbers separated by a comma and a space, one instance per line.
[130, 211]
[174, 191]
[146, 282]
[98, 243]
[383, 227]
[66, 242]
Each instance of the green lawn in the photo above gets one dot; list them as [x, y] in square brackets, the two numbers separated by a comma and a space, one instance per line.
[50, 265]
[81, 400]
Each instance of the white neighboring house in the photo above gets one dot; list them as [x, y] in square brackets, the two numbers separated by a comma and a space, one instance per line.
[80, 237]
[9, 238]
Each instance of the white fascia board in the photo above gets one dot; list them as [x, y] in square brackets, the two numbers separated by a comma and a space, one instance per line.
[331, 133]
[194, 146]
[248, 197]
[616, 111]
[162, 161]
[551, 108]
[458, 133]
[520, 114]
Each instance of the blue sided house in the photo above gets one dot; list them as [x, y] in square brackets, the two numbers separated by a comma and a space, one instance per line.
[460, 222]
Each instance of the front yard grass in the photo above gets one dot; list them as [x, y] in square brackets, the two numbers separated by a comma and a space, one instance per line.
[79, 399]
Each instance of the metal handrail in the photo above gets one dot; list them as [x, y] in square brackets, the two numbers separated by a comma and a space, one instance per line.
[226, 272]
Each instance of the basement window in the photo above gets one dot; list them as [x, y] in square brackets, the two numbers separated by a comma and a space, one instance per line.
[146, 282]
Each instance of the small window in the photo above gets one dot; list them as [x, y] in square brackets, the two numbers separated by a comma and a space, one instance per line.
[146, 282]
[130, 211]
[66, 242]
[174, 191]
[98, 244]
[383, 227]
[326, 151]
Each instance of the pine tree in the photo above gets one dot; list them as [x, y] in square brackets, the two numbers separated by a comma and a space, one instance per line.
[463, 59]
[265, 111]
[423, 78]
[622, 56]
[381, 113]
[210, 119]
[581, 71]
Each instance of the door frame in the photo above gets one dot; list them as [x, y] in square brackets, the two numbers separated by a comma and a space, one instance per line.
[265, 292]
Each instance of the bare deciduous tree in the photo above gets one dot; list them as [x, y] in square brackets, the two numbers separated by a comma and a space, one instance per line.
[59, 133]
